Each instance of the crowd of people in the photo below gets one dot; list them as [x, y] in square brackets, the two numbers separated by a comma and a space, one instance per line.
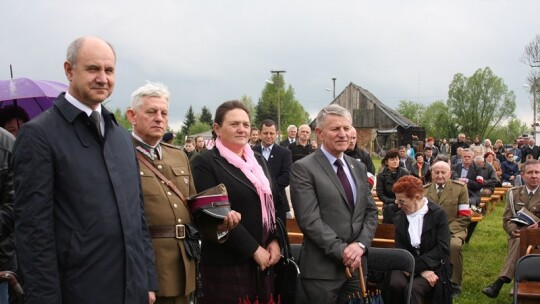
[101, 215]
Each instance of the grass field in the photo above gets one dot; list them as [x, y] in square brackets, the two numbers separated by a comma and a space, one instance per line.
[483, 258]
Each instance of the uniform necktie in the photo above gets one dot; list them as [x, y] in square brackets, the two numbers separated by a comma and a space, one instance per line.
[439, 190]
[345, 182]
[95, 117]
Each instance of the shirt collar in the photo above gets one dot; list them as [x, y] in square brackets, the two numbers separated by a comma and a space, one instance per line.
[147, 147]
[531, 190]
[331, 158]
[81, 106]
[269, 147]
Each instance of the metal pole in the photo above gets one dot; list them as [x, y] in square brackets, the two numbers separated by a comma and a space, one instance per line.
[334, 80]
[278, 99]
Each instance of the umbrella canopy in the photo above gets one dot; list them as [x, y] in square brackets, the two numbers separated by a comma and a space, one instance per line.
[34, 96]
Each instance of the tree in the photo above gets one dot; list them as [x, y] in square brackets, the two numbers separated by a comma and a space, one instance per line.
[188, 121]
[437, 121]
[480, 102]
[414, 111]
[122, 119]
[199, 127]
[531, 55]
[292, 112]
[206, 116]
[509, 132]
[248, 102]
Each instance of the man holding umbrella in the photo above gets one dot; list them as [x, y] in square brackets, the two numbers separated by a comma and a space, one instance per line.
[81, 231]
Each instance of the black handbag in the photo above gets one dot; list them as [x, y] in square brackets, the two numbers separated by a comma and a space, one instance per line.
[286, 271]
[192, 242]
[443, 288]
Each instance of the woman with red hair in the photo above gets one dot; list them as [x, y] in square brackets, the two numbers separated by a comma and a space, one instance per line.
[422, 229]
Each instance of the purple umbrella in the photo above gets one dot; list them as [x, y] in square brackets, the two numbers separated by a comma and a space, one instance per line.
[34, 96]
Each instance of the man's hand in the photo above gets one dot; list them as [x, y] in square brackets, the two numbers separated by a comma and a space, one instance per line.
[151, 297]
[352, 255]
[232, 219]
[275, 252]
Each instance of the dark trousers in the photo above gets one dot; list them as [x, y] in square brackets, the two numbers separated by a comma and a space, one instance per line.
[395, 293]
[330, 291]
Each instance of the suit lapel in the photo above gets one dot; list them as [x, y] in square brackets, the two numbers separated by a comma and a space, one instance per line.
[356, 178]
[329, 171]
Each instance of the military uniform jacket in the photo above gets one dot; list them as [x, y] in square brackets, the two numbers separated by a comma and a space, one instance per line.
[518, 198]
[176, 273]
[453, 194]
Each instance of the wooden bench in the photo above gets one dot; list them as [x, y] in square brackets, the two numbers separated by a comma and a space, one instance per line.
[384, 235]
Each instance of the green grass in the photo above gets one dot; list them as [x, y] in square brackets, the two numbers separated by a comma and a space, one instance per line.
[483, 258]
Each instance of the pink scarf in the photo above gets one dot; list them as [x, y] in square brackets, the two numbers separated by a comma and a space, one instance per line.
[253, 171]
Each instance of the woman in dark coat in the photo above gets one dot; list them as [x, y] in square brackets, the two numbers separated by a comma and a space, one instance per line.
[422, 229]
[233, 269]
[391, 172]
[421, 169]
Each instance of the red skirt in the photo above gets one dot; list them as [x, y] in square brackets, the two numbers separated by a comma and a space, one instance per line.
[228, 284]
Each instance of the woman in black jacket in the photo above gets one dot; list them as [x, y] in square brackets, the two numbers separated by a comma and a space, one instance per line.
[391, 172]
[422, 229]
[240, 267]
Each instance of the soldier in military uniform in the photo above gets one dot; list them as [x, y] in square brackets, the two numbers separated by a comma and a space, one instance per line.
[165, 211]
[452, 196]
[527, 197]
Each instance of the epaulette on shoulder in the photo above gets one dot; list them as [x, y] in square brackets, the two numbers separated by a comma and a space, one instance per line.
[170, 146]
[516, 187]
[427, 185]
[458, 182]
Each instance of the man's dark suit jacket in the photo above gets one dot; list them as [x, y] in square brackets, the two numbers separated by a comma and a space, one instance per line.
[473, 187]
[80, 225]
[279, 163]
[285, 143]
[325, 217]
[526, 149]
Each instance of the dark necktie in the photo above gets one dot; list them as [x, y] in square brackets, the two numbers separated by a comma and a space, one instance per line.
[345, 182]
[439, 190]
[95, 118]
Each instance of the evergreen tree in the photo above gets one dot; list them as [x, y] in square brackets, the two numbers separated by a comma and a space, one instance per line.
[206, 116]
[188, 121]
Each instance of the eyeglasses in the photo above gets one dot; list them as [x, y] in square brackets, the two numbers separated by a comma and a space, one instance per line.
[400, 202]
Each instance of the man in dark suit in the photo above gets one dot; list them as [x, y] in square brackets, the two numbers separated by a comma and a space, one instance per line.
[80, 226]
[279, 162]
[334, 209]
[405, 161]
[470, 174]
[291, 136]
[529, 148]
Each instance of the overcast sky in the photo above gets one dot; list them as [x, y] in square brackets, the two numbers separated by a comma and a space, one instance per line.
[211, 51]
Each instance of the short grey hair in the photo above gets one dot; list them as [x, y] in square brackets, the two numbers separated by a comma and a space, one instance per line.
[332, 109]
[478, 158]
[150, 89]
[290, 127]
[72, 53]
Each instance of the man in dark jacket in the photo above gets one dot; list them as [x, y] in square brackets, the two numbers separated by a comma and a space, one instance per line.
[81, 231]
[7, 238]
[358, 153]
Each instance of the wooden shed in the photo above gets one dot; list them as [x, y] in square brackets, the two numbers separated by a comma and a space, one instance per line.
[378, 125]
